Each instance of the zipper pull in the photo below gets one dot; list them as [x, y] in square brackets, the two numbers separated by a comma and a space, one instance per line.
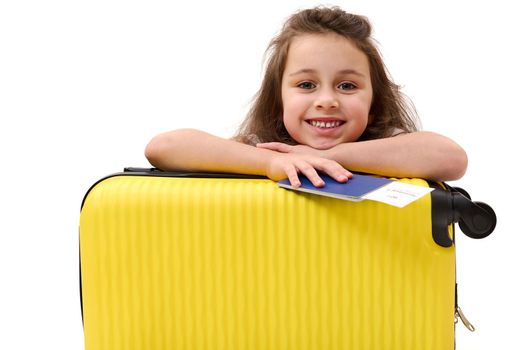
[460, 314]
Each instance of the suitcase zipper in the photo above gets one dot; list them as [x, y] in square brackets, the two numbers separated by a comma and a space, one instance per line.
[463, 318]
[460, 314]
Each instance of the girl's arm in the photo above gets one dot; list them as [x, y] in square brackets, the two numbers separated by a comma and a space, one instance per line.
[193, 150]
[420, 154]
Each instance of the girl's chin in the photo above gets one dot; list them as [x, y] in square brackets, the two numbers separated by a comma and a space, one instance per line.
[322, 145]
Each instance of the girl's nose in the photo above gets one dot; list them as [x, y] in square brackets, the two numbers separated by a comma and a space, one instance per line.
[326, 101]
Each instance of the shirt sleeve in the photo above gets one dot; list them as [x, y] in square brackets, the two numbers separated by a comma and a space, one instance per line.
[397, 132]
[252, 139]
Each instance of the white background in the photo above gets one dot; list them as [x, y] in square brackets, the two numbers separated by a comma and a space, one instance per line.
[84, 85]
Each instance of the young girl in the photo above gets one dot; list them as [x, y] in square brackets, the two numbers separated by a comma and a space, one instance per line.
[326, 104]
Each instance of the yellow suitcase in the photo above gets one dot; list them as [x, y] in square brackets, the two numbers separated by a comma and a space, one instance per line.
[182, 261]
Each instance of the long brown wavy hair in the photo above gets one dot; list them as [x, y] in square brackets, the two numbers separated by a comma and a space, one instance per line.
[390, 110]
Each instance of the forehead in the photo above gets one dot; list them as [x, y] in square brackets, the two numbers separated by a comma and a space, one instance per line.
[325, 50]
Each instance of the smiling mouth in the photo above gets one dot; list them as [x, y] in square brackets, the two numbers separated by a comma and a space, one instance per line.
[325, 124]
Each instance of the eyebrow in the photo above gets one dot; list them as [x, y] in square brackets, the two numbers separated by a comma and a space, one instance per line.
[343, 71]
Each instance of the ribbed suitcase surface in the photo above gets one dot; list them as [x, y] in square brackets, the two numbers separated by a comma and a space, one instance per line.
[197, 263]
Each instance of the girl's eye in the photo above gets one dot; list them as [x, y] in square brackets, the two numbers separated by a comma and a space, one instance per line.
[346, 86]
[306, 85]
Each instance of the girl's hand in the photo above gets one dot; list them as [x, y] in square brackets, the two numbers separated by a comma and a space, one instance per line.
[289, 165]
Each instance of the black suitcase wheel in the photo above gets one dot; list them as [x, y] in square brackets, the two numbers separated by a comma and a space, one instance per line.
[480, 223]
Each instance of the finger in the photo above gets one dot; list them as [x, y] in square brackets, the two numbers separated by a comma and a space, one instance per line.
[293, 177]
[274, 146]
[334, 170]
[310, 173]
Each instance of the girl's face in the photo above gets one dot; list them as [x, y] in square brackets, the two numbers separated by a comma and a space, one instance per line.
[326, 90]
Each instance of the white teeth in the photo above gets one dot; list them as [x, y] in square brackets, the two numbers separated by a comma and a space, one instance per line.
[325, 125]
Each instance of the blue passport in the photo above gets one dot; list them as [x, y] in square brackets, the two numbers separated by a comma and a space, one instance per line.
[354, 189]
